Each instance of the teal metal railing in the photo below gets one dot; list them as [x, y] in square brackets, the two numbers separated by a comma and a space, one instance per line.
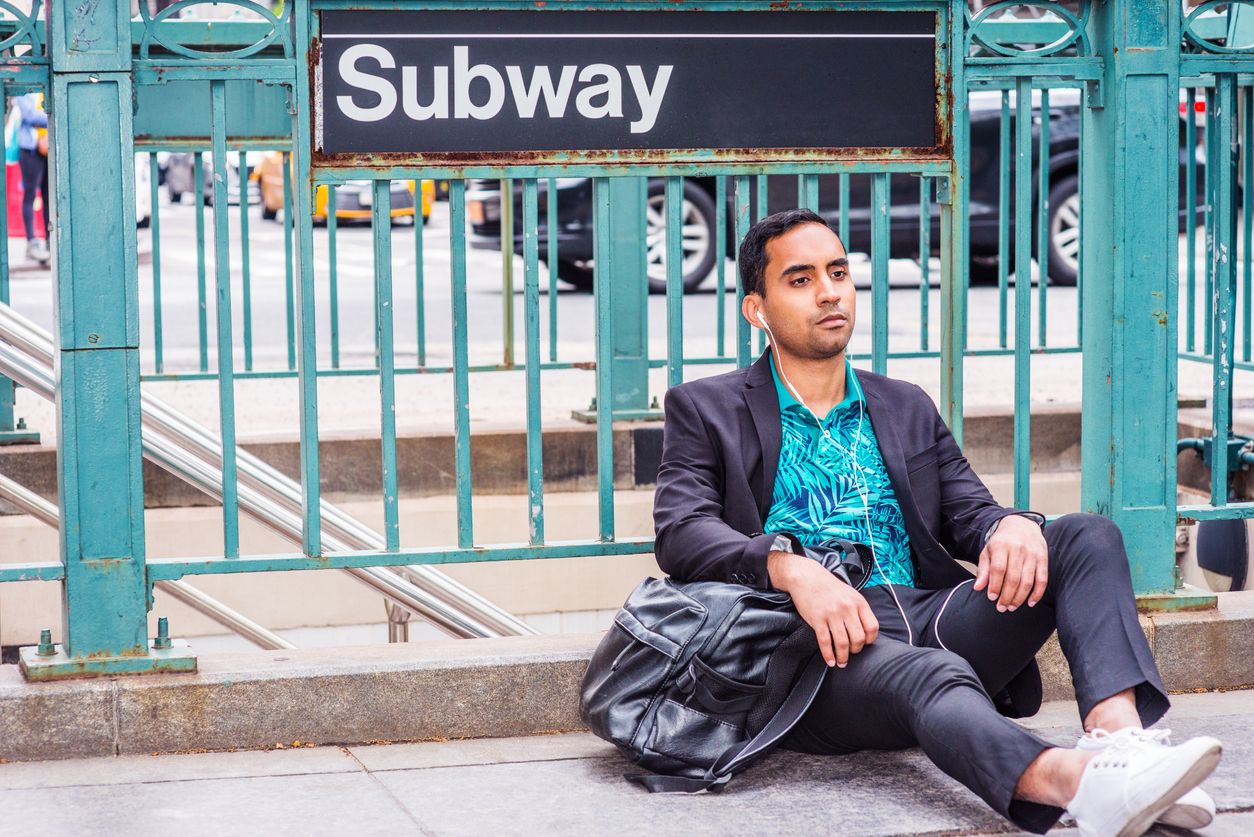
[1125, 313]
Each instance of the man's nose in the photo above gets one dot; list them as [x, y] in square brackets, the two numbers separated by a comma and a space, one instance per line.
[829, 291]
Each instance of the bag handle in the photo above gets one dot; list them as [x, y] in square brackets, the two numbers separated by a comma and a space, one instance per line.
[737, 756]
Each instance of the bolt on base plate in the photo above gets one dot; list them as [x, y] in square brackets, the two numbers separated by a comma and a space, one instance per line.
[58, 666]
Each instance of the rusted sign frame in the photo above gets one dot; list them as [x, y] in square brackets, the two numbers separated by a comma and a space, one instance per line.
[651, 162]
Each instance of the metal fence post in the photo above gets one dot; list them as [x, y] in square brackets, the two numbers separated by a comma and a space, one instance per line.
[621, 272]
[96, 279]
[1129, 188]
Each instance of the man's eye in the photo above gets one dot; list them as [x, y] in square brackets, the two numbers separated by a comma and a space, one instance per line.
[800, 280]
[840, 273]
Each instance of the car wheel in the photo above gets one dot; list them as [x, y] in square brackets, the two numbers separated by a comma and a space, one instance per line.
[1064, 231]
[269, 214]
[578, 274]
[698, 219]
[144, 223]
[175, 196]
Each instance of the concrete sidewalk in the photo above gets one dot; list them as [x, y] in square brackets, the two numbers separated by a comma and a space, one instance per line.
[553, 785]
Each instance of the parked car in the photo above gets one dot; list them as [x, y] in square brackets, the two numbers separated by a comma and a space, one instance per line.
[180, 176]
[352, 199]
[699, 215]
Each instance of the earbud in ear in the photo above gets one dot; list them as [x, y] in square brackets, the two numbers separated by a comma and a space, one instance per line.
[762, 320]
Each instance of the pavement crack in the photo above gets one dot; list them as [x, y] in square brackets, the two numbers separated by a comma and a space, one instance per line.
[386, 790]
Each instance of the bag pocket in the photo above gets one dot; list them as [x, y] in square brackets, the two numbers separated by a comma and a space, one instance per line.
[684, 735]
[636, 657]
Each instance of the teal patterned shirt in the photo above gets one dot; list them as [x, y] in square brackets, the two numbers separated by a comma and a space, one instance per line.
[816, 496]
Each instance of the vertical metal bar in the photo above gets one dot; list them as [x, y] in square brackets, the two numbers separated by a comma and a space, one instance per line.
[381, 220]
[158, 332]
[1023, 291]
[808, 191]
[674, 281]
[1190, 203]
[601, 208]
[8, 389]
[843, 194]
[531, 325]
[507, 272]
[925, 259]
[1042, 228]
[333, 273]
[245, 261]
[879, 273]
[1223, 163]
[1247, 220]
[720, 262]
[461, 380]
[202, 292]
[551, 233]
[1004, 163]
[226, 360]
[1213, 164]
[420, 290]
[288, 221]
[742, 229]
[301, 210]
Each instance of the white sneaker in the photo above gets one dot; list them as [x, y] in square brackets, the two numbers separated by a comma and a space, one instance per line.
[1130, 782]
[1192, 811]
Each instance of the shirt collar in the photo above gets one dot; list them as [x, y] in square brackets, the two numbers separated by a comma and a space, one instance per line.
[787, 401]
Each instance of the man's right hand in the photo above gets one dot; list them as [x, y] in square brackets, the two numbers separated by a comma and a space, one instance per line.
[840, 616]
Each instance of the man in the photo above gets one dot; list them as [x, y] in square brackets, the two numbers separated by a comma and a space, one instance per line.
[760, 463]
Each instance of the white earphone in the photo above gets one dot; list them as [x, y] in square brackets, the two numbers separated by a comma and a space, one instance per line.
[862, 487]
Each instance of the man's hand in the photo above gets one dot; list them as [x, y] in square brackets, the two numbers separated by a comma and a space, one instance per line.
[841, 618]
[1014, 564]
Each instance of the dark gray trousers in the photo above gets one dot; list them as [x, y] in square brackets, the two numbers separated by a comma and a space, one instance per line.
[935, 694]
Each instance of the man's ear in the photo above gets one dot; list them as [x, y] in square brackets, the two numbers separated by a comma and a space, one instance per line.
[751, 308]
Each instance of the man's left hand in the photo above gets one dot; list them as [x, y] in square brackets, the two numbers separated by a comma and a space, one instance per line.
[1014, 564]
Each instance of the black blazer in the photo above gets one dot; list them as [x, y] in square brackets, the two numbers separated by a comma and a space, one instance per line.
[721, 447]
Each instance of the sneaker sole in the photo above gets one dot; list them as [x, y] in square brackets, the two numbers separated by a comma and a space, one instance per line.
[1197, 772]
[1189, 817]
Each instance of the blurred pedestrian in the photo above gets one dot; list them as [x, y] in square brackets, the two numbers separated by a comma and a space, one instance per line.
[32, 144]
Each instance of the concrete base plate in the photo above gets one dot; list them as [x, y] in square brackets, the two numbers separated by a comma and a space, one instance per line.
[60, 666]
[590, 416]
[1187, 598]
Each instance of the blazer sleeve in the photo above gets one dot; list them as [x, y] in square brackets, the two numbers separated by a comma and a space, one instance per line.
[693, 542]
[968, 510]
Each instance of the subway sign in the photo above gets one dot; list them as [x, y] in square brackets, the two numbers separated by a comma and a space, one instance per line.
[473, 86]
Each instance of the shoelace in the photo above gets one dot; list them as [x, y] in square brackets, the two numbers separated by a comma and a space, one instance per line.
[1117, 743]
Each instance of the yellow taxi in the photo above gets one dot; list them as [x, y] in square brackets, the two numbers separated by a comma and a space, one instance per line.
[352, 199]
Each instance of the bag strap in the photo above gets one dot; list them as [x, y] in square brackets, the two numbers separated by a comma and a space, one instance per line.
[737, 756]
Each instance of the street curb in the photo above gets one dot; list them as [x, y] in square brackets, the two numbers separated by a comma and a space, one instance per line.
[438, 690]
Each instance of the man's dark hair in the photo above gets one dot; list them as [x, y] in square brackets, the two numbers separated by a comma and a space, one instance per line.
[752, 259]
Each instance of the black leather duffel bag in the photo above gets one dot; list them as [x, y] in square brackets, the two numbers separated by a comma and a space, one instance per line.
[696, 680]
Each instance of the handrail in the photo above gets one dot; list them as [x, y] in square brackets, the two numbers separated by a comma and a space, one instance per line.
[45, 512]
[191, 452]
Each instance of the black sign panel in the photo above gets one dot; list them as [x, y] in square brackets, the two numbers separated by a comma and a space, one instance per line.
[492, 83]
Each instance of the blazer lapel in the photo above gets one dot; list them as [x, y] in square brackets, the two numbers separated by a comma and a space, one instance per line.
[890, 451]
[764, 409]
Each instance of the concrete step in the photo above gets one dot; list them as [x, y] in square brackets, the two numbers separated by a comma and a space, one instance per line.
[442, 689]
[569, 784]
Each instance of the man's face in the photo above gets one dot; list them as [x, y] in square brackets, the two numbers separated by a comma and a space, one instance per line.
[810, 301]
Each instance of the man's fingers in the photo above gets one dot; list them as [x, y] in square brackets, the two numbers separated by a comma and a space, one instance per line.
[1042, 579]
[857, 635]
[1010, 581]
[1027, 578]
[824, 637]
[840, 639]
[996, 570]
[870, 624]
[981, 572]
